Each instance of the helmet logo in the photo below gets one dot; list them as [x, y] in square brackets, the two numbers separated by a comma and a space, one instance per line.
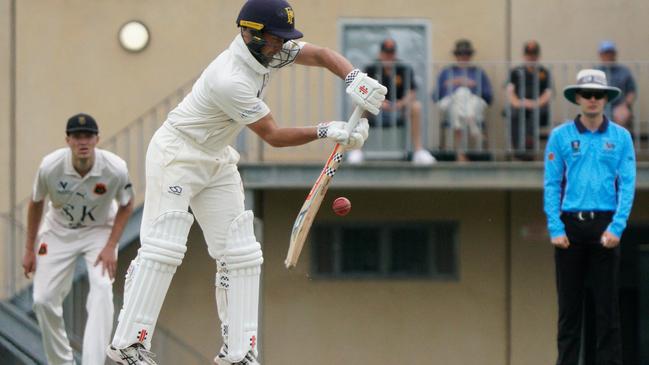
[289, 15]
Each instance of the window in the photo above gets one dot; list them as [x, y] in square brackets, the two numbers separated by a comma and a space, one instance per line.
[389, 250]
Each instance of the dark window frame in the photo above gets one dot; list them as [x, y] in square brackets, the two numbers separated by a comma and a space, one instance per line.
[439, 233]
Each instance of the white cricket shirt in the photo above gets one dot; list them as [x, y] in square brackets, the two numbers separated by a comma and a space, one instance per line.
[227, 96]
[75, 201]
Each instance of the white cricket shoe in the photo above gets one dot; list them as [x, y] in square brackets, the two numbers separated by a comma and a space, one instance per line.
[423, 157]
[135, 354]
[355, 157]
[249, 359]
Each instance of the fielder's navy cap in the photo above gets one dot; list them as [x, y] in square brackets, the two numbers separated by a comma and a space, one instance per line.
[81, 123]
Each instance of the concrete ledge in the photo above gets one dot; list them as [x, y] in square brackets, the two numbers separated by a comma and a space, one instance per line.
[404, 175]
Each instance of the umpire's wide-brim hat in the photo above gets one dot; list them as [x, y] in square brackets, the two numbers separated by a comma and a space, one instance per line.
[590, 79]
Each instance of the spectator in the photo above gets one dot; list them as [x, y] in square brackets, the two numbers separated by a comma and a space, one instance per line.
[528, 92]
[463, 92]
[401, 103]
[619, 76]
[589, 185]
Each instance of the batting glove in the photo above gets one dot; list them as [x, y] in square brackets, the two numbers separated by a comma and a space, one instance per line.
[365, 91]
[337, 131]
[358, 135]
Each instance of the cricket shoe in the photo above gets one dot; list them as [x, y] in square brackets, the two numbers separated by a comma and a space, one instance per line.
[135, 354]
[249, 359]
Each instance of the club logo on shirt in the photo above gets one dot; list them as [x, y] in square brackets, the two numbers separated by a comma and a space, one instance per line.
[42, 249]
[250, 112]
[100, 188]
[551, 156]
[575, 146]
[175, 189]
[542, 75]
[609, 146]
[63, 188]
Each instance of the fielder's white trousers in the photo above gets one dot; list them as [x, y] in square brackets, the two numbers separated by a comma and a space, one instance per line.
[53, 281]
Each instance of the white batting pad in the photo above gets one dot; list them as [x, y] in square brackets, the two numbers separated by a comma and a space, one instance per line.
[237, 288]
[149, 276]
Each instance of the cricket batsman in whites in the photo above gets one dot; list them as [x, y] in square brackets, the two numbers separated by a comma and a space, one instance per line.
[190, 163]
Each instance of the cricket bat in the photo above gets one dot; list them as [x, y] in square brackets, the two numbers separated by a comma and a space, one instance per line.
[307, 214]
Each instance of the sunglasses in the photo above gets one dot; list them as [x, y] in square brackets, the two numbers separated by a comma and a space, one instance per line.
[589, 94]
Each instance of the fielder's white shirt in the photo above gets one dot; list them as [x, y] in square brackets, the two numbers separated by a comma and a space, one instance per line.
[75, 201]
[227, 96]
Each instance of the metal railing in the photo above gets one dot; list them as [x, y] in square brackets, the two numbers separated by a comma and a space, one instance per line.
[300, 96]
[169, 348]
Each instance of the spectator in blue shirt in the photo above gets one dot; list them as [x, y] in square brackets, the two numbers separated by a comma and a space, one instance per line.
[589, 185]
[621, 109]
[463, 91]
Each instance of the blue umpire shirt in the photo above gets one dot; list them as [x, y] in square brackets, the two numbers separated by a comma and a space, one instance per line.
[589, 171]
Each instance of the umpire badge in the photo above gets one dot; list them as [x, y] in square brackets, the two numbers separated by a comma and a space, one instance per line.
[42, 249]
[100, 188]
[575, 146]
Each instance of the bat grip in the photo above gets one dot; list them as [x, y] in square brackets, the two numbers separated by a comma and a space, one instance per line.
[353, 120]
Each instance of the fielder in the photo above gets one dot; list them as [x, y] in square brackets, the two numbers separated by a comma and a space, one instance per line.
[82, 183]
[190, 163]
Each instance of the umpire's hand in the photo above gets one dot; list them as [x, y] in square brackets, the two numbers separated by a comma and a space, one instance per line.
[609, 240]
[561, 242]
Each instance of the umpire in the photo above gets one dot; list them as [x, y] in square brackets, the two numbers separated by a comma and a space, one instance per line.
[589, 184]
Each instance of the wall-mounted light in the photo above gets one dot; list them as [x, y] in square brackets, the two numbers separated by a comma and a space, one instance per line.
[134, 36]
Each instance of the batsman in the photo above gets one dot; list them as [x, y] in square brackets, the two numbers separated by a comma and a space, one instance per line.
[190, 163]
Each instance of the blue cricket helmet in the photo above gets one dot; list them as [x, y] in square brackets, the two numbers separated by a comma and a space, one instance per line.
[275, 17]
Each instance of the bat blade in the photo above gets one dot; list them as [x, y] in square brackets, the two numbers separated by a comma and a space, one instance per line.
[311, 205]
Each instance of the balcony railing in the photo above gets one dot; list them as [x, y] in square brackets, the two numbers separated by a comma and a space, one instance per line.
[301, 96]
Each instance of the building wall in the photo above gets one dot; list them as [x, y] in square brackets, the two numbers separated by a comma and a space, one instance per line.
[5, 60]
[69, 59]
[533, 298]
[378, 321]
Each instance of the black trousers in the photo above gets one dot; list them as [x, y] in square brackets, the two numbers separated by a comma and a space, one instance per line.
[586, 259]
[525, 119]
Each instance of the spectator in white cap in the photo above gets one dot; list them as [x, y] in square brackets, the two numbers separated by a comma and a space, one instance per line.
[620, 109]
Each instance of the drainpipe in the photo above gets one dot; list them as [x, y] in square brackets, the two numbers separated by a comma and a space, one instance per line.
[12, 147]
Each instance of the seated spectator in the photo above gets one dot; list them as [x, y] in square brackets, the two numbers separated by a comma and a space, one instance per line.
[401, 102]
[463, 92]
[619, 76]
[528, 93]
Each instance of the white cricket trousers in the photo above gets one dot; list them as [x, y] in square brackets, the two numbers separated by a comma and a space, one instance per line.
[181, 174]
[53, 281]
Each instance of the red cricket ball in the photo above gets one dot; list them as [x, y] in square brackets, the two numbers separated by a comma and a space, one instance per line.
[342, 206]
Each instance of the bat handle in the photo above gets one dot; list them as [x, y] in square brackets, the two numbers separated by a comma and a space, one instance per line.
[353, 120]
